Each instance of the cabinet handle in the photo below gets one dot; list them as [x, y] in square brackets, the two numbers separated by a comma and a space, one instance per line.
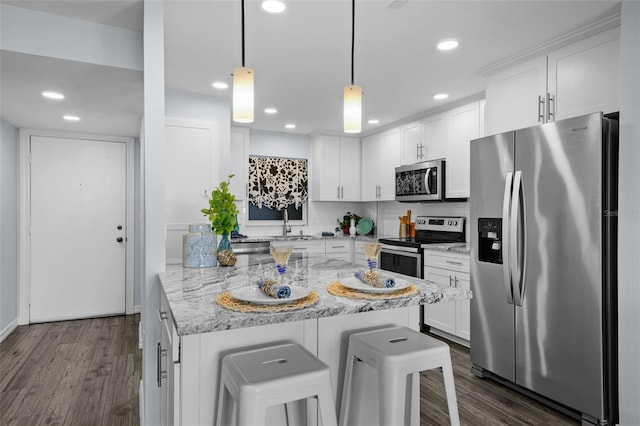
[455, 280]
[453, 263]
[334, 247]
[299, 248]
[540, 109]
[450, 281]
[550, 109]
[162, 315]
[342, 192]
[338, 193]
[417, 151]
[162, 374]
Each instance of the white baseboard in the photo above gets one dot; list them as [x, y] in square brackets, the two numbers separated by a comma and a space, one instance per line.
[141, 402]
[451, 337]
[137, 309]
[8, 329]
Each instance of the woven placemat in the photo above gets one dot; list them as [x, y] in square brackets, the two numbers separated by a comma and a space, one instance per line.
[338, 289]
[227, 301]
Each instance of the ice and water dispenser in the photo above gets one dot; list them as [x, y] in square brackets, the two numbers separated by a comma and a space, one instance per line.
[490, 240]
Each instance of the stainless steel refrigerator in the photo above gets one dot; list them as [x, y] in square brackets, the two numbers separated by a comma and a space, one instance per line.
[543, 263]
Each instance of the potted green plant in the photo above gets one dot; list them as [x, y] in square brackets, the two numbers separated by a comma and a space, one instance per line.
[222, 213]
[346, 222]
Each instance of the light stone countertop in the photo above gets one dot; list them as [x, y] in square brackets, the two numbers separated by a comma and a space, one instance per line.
[192, 292]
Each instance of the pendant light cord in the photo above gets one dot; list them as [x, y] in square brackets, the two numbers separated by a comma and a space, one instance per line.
[243, 34]
[353, 33]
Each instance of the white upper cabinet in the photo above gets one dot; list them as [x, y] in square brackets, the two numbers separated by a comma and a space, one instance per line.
[381, 154]
[335, 168]
[239, 152]
[580, 78]
[584, 76]
[515, 97]
[412, 147]
[435, 132]
[464, 125]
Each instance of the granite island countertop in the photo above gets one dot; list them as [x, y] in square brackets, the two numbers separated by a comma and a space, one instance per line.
[192, 292]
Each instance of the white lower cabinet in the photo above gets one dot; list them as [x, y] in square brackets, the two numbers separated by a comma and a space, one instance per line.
[339, 249]
[450, 269]
[359, 257]
[168, 367]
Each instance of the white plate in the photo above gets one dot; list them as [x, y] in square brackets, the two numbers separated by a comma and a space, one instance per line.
[256, 296]
[355, 284]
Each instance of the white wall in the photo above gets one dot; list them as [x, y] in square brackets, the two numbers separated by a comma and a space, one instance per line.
[629, 216]
[8, 228]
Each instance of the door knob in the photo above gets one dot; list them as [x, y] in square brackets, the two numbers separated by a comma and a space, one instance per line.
[119, 239]
[119, 227]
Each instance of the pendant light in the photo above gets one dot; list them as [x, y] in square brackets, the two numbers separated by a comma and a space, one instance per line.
[352, 93]
[243, 88]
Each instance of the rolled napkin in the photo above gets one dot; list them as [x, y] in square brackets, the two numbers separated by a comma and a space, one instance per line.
[375, 279]
[272, 288]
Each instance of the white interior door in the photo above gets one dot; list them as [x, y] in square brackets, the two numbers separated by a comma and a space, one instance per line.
[78, 234]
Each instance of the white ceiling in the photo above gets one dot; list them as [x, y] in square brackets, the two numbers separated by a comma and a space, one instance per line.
[301, 57]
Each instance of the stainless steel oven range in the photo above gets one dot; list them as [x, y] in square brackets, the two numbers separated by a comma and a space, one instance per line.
[406, 255]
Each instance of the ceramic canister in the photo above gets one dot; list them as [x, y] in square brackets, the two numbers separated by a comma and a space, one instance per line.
[199, 247]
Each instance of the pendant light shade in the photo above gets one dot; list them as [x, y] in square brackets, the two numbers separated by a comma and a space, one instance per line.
[352, 93]
[352, 109]
[242, 88]
[243, 95]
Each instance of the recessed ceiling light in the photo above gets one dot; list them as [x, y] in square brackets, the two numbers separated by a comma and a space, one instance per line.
[71, 117]
[448, 44]
[273, 6]
[270, 110]
[221, 85]
[440, 96]
[53, 95]
[373, 121]
[290, 126]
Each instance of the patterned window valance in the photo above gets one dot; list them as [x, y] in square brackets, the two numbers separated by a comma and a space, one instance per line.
[277, 183]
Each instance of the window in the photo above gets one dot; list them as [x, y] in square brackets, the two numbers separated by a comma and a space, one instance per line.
[276, 184]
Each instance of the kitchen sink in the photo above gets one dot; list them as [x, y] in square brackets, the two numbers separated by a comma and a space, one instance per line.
[293, 237]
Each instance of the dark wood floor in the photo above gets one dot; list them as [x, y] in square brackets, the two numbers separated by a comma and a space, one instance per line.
[83, 372]
[480, 401]
[87, 372]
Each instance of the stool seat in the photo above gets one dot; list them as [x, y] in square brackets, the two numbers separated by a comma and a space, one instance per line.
[398, 354]
[257, 379]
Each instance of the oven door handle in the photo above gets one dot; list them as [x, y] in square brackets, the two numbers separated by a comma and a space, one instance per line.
[403, 251]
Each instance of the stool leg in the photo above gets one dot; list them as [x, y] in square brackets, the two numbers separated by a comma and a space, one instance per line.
[346, 388]
[391, 397]
[450, 389]
[251, 412]
[326, 403]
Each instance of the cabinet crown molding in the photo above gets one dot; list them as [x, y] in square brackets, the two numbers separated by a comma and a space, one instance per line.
[587, 31]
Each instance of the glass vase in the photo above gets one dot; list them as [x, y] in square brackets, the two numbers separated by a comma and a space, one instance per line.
[226, 256]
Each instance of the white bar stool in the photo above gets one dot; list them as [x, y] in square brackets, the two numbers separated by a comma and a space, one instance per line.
[397, 353]
[260, 378]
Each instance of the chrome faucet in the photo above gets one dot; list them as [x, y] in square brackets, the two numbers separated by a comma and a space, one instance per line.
[286, 228]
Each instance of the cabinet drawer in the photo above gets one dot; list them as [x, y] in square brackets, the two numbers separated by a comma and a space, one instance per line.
[313, 247]
[447, 260]
[338, 247]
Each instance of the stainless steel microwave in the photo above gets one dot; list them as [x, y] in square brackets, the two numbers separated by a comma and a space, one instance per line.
[420, 182]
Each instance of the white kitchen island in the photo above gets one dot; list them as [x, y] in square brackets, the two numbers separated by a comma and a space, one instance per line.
[198, 332]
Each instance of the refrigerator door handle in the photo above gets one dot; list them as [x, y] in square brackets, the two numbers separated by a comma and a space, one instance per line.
[506, 239]
[517, 241]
